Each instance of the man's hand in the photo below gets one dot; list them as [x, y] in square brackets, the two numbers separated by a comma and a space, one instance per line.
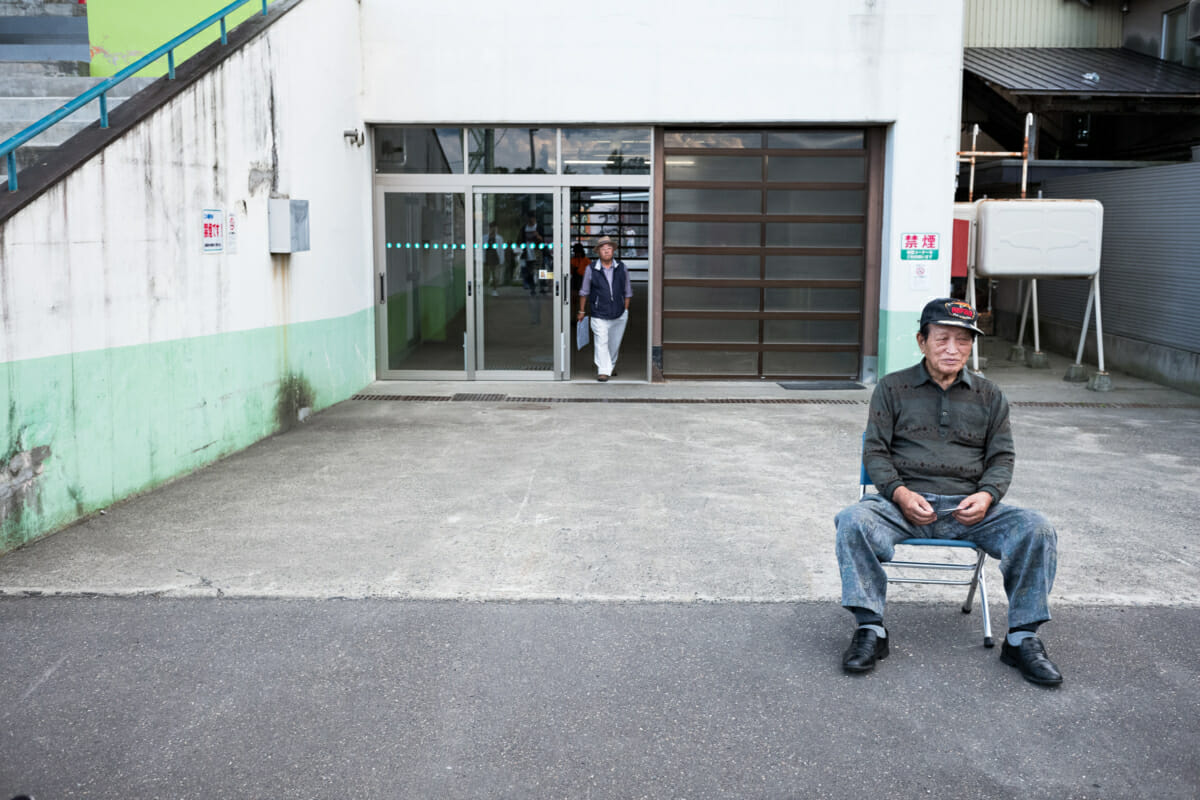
[972, 508]
[914, 507]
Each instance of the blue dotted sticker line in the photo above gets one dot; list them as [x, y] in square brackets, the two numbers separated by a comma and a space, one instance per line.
[458, 246]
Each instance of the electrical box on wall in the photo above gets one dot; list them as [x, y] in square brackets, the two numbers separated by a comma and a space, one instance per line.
[287, 222]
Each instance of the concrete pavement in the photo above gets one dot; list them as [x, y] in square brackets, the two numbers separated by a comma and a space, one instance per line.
[549, 493]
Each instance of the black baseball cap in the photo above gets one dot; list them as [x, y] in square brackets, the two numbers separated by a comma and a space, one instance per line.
[948, 311]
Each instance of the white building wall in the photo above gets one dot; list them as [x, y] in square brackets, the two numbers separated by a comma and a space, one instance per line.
[127, 355]
[700, 62]
[111, 256]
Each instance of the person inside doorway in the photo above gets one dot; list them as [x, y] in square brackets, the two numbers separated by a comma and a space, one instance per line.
[579, 265]
[492, 258]
[530, 239]
[608, 290]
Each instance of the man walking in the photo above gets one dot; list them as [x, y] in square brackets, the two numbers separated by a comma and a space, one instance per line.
[610, 289]
[939, 449]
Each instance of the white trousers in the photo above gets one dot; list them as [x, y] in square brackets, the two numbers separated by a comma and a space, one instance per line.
[606, 340]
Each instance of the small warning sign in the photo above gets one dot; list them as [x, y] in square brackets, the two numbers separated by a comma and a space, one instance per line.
[919, 247]
[231, 228]
[212, 229]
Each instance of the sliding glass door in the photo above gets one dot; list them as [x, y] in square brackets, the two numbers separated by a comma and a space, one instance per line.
[516, 259]
[422, 289]
[481, 300]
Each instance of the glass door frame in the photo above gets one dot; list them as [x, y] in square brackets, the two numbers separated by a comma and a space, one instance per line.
[380, 288]
[475, 330]
[467, 186]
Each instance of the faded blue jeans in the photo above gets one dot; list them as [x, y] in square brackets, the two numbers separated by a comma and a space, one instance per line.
[1023, 541]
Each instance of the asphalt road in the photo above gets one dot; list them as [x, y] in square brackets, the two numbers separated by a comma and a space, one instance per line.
[113, 697]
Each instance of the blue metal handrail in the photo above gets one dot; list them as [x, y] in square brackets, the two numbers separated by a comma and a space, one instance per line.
[9, 148]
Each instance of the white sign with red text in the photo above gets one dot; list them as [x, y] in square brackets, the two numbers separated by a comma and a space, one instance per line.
[212, 236]
[918, 246]
[231, 234]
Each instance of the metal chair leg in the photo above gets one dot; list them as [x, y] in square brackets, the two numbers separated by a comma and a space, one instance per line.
[988, 641]
[966, 606]
[978, 579]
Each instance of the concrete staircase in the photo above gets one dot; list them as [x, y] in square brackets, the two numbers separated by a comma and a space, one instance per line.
[41, 42]
[43, 8]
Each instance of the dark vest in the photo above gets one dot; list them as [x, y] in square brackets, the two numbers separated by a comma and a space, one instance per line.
[606, 304]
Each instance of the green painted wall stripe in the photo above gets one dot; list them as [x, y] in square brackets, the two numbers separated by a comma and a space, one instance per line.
[898, 340]
[123, 420]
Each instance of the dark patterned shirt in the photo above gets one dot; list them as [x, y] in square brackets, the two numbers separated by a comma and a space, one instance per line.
[938, 441]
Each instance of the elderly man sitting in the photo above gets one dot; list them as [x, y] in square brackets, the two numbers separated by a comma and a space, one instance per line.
[939, 449]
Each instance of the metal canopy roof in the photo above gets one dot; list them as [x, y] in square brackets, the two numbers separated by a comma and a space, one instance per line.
[1081, 72]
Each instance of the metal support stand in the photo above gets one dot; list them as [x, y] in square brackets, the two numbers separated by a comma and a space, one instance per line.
[1017, 351]
[1100, 382]
[1076, 373]
[975, 358]
[970, 157]
[1036, 359]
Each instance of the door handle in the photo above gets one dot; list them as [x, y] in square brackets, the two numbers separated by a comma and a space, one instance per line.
[556, 288]
[382, 290]
[468, 288]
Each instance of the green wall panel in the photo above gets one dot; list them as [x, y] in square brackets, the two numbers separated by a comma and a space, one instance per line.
[898, 340]
[397, 328]
[434, 312]
[122, 31]
[123, 420]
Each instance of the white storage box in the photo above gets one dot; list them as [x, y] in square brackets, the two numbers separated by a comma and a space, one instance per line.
[1038, 238]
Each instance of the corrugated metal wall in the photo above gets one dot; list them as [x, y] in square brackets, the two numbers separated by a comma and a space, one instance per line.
[1150, 261]
[1042, 23]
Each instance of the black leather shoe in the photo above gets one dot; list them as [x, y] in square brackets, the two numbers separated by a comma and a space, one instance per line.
[1030, 657]
[865, 649]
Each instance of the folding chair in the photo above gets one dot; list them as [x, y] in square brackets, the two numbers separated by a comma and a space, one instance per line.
[977, 577]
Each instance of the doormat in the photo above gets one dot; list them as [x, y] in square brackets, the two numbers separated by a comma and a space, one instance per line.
[815, 386]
